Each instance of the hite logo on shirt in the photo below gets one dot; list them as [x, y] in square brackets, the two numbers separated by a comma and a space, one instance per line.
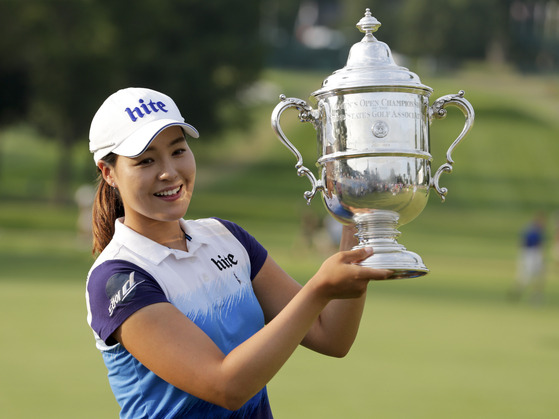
[225, 262]
[119, 288]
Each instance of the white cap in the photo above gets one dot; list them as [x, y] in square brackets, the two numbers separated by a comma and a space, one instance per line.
[129, 120]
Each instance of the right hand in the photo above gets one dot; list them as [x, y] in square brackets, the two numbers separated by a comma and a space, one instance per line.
[340, 276]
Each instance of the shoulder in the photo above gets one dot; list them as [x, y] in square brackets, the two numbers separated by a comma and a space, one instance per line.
[115, 289]
[109, 268]
[211, 227]
[115, 280]
[236, 230]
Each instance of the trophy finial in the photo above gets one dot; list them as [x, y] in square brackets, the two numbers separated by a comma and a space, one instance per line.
[368, 24]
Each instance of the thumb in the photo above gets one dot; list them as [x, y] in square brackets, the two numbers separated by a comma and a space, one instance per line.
[357, 255]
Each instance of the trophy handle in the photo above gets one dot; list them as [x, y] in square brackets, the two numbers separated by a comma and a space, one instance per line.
[438, 111]
[306, 114]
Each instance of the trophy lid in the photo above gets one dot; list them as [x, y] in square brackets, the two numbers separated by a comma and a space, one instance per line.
[369, 64]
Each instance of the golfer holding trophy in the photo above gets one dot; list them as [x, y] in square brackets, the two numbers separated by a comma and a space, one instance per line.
[372, 119]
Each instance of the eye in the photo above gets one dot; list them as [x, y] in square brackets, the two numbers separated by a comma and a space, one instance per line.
[179, 151]
[145, 162]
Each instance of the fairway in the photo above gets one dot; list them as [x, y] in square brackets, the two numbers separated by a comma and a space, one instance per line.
[447, 345]
[431, 358]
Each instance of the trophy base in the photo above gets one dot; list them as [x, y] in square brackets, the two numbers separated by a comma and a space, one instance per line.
[403, 264]
[378, 230]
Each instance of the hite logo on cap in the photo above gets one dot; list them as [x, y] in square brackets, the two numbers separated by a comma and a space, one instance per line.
[149, 108]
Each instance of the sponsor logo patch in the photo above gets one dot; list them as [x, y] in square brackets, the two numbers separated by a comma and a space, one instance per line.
[120, 288]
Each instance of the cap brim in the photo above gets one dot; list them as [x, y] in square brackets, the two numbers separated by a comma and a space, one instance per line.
[139, 141]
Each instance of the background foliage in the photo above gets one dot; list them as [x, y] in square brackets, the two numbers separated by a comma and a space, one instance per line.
[61, 59]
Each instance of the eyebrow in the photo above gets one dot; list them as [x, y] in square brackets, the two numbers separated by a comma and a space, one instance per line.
[171, 144]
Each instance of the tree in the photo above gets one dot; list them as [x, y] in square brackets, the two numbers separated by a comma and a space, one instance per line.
[70, 55]
[455, 30]
[524, 33]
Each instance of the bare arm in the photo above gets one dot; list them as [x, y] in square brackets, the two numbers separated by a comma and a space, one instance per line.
[338, 323]
[335, 329]
[348, 239]
[174, 348]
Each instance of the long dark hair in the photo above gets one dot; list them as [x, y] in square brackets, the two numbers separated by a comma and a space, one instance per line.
[107, 207]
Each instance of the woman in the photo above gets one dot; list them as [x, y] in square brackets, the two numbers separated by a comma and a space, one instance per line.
[193, 317]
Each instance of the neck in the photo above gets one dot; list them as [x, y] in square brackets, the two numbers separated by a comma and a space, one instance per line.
[166, 233]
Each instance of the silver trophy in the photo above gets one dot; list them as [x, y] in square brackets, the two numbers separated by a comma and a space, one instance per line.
[372, 119]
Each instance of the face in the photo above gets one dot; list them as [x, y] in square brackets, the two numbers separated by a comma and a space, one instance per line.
[157, 186]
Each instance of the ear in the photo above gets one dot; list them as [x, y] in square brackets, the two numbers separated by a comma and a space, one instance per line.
[107, 173]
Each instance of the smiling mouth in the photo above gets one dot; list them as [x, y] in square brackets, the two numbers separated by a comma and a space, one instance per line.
[169, 192]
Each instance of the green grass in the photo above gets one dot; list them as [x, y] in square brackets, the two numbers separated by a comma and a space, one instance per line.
[448, 345]
[430, 358]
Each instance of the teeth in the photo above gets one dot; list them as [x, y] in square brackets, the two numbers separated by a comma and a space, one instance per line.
[170, 192]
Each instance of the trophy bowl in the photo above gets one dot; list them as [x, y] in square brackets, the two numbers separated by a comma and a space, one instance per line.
[372, 120]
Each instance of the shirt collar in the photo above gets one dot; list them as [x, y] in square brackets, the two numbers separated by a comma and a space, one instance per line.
[151, 250]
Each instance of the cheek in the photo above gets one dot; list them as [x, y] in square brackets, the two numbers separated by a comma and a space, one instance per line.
[131, 187]
[192, 162]
[129, 196]
[189, 169]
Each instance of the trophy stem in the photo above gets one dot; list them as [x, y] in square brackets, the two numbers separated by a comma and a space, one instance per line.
[378, 229]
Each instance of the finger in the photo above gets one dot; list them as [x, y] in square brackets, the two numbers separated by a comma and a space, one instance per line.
[369, 273]
[357, 255]
[379, 273]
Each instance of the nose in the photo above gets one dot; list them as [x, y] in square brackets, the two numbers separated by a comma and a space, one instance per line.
[167, 170]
